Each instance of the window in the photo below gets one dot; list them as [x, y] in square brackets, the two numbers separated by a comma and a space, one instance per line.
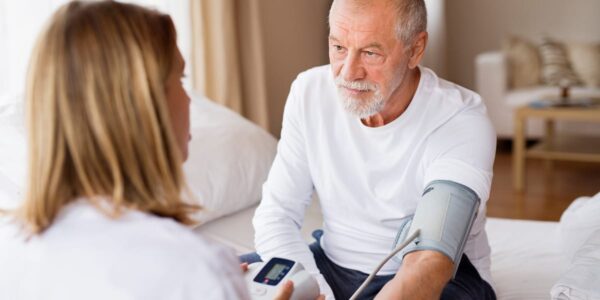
[22, 21]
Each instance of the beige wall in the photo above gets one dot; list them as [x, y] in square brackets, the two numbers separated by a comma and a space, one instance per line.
[474, 26]
[295, 39]
[435, 53]
[295, 36]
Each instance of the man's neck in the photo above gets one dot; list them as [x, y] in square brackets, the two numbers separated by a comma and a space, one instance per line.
[398, 102]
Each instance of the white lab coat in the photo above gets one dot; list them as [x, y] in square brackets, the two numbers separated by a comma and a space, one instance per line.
[86, 255]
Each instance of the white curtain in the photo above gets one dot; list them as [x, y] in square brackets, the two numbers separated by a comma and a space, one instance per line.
[21, 22]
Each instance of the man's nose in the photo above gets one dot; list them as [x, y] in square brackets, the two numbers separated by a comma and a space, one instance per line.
[353, 69]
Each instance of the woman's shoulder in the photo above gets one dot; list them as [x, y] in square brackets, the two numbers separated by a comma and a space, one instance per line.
[119, 252]
[84, 221]
[132, 237]
[165, 248]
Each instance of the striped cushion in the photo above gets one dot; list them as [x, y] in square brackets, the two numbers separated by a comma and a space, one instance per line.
[523, 62]
[556, 68]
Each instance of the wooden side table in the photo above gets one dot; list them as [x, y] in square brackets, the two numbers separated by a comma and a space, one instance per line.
[553, 147]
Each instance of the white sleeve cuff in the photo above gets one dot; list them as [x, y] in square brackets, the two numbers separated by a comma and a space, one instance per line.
[458, 171]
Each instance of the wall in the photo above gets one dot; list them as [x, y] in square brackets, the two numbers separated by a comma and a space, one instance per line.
[435, 53]
[295, 36]
[295, 39]
[475, 26]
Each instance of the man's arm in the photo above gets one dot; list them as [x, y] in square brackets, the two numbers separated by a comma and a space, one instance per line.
[286, 195]
[462, 151]
[443, 217]
[423, 275]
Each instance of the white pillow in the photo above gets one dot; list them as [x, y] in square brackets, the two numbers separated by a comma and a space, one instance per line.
[10, 194]
[577, 223]
[13, 152]
[229, 159]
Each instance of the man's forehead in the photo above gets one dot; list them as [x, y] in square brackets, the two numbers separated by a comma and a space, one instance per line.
[371, 18]
[369, 28]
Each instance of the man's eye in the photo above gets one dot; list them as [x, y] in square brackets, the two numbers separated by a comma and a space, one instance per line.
[338, 47]
[370, 53]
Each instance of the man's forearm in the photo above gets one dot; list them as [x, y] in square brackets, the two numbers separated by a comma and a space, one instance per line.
[423, 275]
[280, 236]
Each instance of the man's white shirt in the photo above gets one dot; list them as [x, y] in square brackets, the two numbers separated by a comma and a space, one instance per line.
[369, 178]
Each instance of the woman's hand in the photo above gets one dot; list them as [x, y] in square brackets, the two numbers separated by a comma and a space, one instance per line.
[285, 291]
[244, 267]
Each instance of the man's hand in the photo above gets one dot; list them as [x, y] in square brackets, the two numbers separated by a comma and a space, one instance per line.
[423, 275]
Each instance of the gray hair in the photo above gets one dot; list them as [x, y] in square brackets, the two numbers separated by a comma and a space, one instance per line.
[411, 17]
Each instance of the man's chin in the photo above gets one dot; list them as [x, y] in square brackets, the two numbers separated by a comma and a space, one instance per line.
[361, 108]
[359, 111]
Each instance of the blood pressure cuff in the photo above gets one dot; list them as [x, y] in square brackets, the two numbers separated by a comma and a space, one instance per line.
[444, 216]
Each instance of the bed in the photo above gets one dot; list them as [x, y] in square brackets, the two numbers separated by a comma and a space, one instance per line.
[525, 260]
[230, 159]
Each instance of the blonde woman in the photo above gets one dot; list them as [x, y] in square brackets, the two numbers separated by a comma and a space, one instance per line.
[108, 127]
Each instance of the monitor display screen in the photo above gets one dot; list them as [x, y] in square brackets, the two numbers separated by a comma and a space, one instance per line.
[273, 274]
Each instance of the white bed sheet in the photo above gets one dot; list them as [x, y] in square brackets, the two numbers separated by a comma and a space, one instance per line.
[526, 261]
[237, 232]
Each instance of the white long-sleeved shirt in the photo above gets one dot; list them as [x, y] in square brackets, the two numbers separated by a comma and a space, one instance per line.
[86, 255]
[368, 178]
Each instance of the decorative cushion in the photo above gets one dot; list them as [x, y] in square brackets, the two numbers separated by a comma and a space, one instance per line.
[585, 60]
[523, 62]
[556, 68]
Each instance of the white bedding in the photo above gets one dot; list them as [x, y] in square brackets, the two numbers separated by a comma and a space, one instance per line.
[525, 259]
[228, 156]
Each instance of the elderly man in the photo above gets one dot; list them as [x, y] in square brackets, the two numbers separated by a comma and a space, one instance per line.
[380, 139]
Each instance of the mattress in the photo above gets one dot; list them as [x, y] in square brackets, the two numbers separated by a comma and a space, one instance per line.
[526, 261]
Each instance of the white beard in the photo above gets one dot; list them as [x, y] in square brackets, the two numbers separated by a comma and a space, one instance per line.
[361, 108]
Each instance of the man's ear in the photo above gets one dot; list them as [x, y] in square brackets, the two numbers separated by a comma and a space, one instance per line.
[418, 49]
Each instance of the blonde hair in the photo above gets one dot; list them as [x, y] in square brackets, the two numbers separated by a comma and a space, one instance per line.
[97, 115]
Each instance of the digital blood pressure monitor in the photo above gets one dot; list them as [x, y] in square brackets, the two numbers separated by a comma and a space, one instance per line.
[264, 279]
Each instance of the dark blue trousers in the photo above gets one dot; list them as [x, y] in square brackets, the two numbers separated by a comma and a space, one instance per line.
[467, 284]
